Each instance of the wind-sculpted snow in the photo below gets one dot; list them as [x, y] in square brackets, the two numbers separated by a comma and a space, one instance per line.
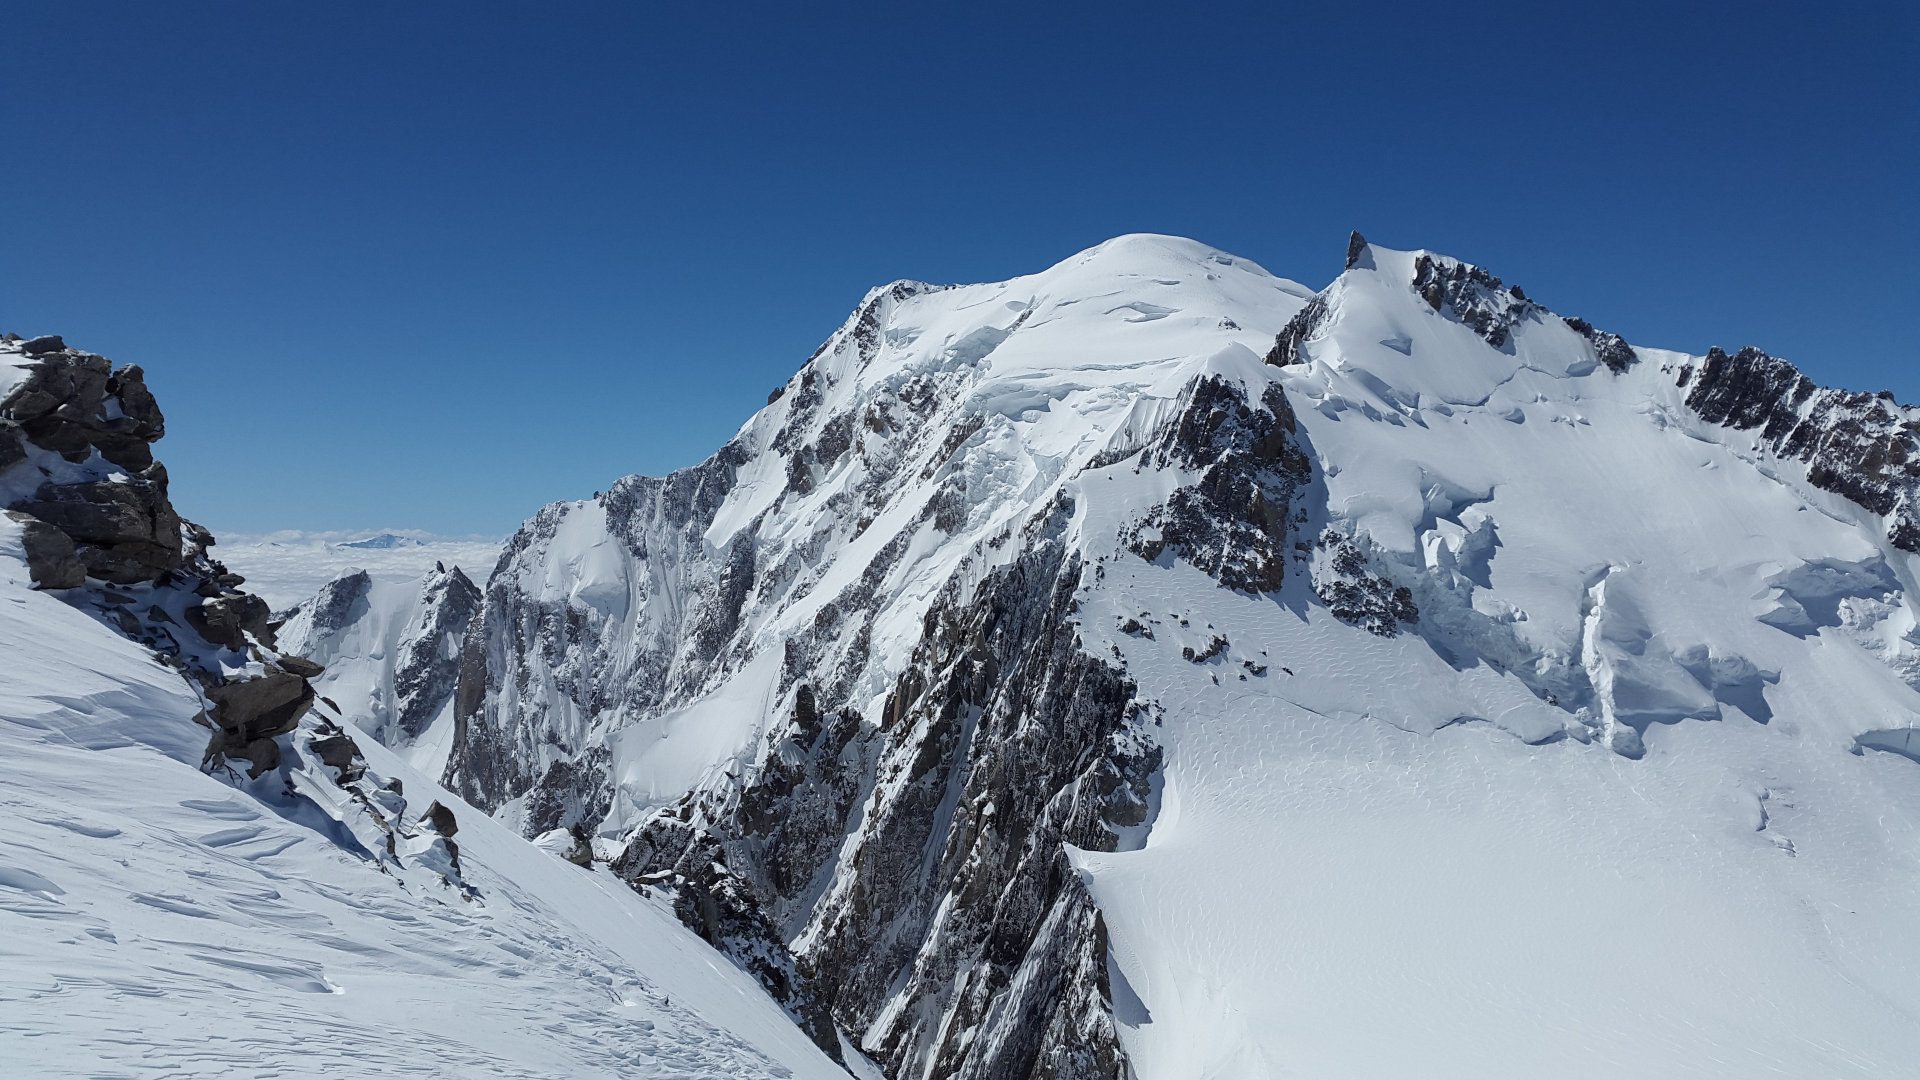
[1045, 684]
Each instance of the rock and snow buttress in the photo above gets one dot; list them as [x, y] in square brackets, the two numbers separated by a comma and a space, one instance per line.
[1153, 667]
[204, 872]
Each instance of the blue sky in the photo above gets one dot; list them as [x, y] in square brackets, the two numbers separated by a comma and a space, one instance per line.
[430, 265]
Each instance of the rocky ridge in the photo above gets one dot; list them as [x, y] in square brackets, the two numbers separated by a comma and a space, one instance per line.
[80, 481]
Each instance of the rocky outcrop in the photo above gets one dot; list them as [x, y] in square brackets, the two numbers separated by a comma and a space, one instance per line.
[1610, 349]
[1298, 331]
[51, 558]
[1862, 447]
[1472, 296]
[1233, 521]
[1354, 592]
[428, 667]
[97, 522]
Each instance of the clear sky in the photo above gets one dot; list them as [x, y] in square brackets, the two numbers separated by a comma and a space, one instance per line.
[430, 265]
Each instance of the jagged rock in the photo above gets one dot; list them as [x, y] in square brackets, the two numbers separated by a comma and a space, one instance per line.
[227, 620]
[1232, 523]
[1860, 446]
[301, 666]
[1610, 349]
[442, 819]
[45, 343]
[1472, 296]
[1356, 244]
[260, 708]
[51, 560]
[1343, 581]
[264, 754]
[339, 752]
[428, 667]
[124, 532]
[1304, 324]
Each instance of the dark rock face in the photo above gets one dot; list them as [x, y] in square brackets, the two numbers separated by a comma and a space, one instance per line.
[124, 532]
[1232, 523]
[105, 515]
[1002, 741]
[1356, 244]
[1472, 296]
[73, 403]
[51, 559]
[429, 661]
[1344, 582]
[1304, 324]
[1611, 349]
[228, 620]
[1863, 447]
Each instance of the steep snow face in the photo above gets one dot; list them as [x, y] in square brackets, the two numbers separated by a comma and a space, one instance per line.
[1043, 684]
[162, 920]
[391, 652]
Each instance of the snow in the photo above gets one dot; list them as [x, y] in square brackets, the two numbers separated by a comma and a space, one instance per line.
[289, 566]
[14, 368]
[657, 760]
[160, 921]
[361, 659]
[1350, 877]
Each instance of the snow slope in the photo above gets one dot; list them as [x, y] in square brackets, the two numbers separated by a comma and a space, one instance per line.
[1448, 695]
[156, 920]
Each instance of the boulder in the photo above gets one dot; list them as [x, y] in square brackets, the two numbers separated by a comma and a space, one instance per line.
[227, 620]
[260, 708]
[264, 753]
[45, 343]
[301, 666]
[442, 819]
[51, 559]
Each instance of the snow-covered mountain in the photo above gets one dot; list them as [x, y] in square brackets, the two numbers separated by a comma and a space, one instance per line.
[204, 873]
[1145, 668]
[1152, 664]
[392, 655]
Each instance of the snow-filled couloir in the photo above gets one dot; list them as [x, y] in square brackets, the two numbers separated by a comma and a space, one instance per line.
[1152, 664]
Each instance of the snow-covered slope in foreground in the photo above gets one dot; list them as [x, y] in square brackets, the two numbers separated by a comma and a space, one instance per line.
[1045, 685]
[156, 920]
